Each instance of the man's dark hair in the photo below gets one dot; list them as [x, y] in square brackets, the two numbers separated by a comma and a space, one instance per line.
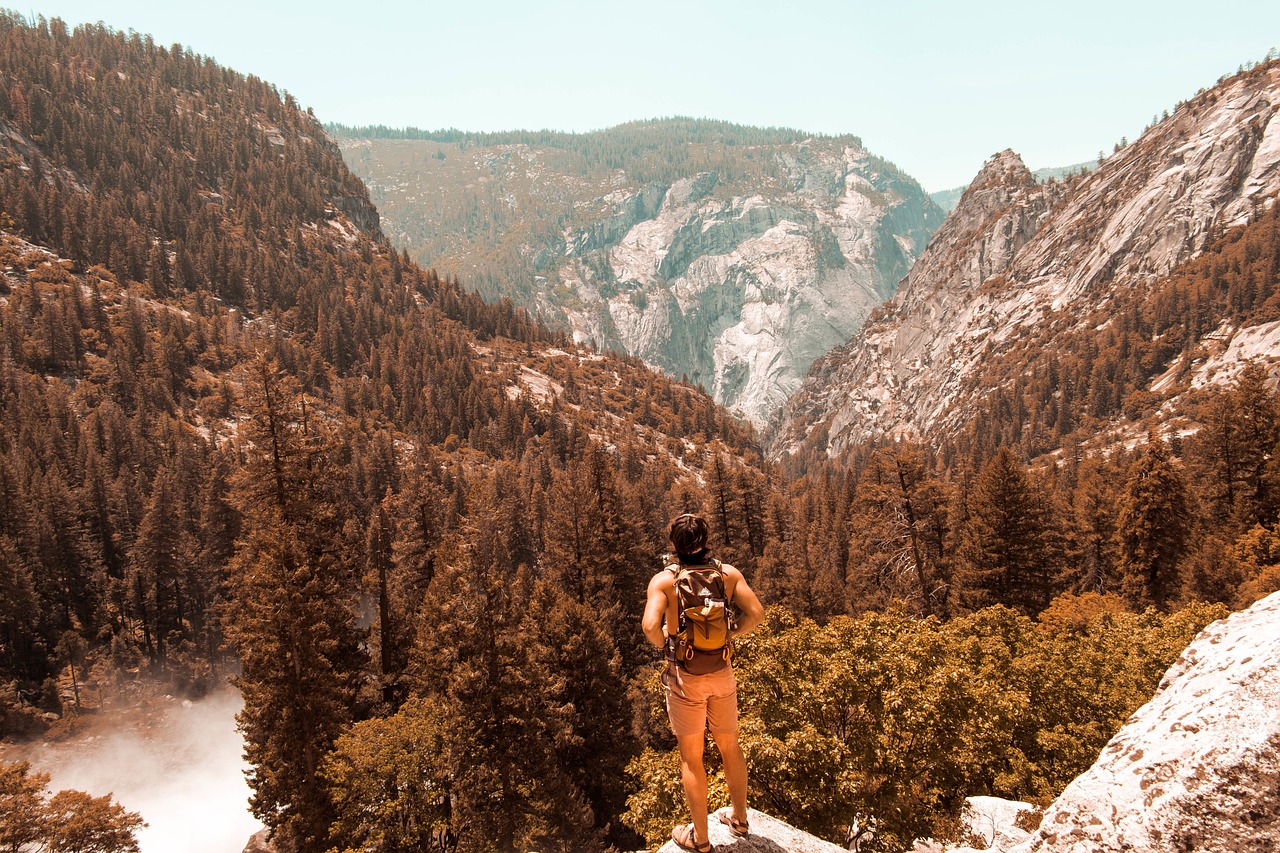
[688, 534]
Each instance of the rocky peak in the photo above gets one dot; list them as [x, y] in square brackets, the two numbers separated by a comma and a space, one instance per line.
[1003, 171]
[997, 214]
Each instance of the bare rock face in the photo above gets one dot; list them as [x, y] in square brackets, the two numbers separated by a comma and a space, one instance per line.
[996, 822]
[1015, 255]
[1195, 769]
[768, 835]
[987, 823]
[743, 293]
[895, 376]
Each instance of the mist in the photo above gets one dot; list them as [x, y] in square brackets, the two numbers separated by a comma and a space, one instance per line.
[180, 768]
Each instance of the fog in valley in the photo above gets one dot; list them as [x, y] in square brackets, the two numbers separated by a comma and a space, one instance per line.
[180, 767]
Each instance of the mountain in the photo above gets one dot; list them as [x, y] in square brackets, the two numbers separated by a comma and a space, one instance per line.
[734, 256]
[1020, 268]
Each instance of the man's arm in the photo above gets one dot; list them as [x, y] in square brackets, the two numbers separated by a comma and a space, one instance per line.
[655, 608]
[749, 606]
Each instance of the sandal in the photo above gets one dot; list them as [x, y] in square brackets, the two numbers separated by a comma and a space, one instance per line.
[738, 828]
[685, 839]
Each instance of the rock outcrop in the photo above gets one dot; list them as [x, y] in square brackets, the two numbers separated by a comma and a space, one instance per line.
[768, 835]
[1195, 769]
[1016, 256]
[260, 842]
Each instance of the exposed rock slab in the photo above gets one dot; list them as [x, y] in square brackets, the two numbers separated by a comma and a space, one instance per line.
[260, 842]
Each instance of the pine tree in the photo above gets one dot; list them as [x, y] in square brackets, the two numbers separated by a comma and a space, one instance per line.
[510, 789]
[1094, 557]
[160, 553]
[420, 526]
[590, 686]
[1154, 521]
[897, 535]
[594, 546]
[1255, 406]
[1006, 553]
[725, 524]
[388, 635]
[290, 614]
[1217, 453]
[19, 615]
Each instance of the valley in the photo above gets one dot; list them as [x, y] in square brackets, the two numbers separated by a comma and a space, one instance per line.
[729, 255]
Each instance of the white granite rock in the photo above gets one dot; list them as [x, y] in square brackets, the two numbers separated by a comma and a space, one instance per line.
[1197, 768]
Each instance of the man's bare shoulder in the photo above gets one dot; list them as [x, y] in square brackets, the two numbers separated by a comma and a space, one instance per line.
[730, 571]
[662, 581]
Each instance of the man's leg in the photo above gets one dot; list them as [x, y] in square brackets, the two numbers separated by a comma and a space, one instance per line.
[694, 776]
[735, 771]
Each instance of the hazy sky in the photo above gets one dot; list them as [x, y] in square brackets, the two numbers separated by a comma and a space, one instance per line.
[936, 87]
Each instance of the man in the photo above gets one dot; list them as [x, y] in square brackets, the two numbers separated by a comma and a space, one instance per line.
[708, 696]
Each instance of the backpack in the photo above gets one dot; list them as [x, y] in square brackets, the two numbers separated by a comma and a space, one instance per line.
[703, 643]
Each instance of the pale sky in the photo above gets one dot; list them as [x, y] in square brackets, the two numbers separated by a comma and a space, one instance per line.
[935, 87]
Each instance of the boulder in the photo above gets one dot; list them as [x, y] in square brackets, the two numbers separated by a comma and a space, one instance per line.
[1195, 769]
[260, 842]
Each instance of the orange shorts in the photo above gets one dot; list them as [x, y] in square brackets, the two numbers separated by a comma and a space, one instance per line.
[696, 703]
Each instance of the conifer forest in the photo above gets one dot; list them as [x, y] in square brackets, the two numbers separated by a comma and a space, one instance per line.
[243, 437]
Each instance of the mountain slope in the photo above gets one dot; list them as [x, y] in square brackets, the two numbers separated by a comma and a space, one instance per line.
[732, 255]
[1018, 261]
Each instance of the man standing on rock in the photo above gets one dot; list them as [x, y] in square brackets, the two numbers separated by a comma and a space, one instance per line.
[689, 613]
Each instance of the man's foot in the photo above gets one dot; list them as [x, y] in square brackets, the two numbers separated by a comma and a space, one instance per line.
[738, 828]
[686, 839]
